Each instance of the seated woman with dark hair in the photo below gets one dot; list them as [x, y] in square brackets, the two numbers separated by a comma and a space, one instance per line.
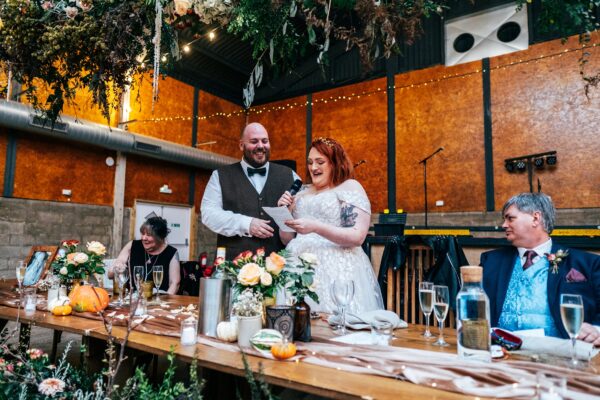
[153, 250]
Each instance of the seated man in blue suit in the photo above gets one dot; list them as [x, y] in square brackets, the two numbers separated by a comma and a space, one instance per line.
[524, 282]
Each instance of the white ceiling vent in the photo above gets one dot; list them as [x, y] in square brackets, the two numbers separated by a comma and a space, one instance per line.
[489, 33]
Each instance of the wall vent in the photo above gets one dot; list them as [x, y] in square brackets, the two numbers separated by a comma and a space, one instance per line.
[41, 122]
[147, 147]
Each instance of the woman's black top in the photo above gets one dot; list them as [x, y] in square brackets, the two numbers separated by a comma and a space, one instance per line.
[139, 256]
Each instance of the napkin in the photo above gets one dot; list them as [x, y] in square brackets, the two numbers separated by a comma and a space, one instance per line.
[365, 319]
[556, 346]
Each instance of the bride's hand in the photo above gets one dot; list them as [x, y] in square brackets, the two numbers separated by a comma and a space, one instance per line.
[286, 199]
[303, 225]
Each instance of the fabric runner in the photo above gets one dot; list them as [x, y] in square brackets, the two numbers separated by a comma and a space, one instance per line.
[514, 379]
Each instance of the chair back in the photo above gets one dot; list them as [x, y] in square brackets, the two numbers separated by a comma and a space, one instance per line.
[190, 278]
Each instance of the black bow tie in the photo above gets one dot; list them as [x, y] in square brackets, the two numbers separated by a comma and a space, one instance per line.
[260, 171]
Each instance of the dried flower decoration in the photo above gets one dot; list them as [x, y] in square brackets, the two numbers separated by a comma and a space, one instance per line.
[327, 141]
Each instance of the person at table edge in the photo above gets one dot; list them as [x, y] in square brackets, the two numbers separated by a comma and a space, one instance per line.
[524, 290]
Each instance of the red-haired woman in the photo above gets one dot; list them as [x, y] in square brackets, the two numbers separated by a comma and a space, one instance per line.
[332, 218]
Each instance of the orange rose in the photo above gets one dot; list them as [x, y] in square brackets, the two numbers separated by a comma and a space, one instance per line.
[275, 263]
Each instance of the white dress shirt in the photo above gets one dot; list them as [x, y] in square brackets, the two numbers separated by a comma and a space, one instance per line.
[541, 250]
[224, 222]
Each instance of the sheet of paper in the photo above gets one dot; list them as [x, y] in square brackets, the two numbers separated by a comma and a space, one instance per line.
[280, 215]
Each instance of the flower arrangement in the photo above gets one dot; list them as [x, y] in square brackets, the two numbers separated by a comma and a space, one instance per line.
[72, 264]
[248, 304]
[299, 280]
[255, 271]
[556, 258]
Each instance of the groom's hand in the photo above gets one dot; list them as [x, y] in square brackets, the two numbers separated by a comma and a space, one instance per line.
[590, 334]
[260, 228]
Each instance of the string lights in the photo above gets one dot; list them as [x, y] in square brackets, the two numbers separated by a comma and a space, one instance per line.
[355, 96]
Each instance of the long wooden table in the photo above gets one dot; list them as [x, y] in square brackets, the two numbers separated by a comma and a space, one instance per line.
[322, 381]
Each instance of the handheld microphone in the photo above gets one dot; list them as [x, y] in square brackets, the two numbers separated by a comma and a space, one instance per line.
[295, 187]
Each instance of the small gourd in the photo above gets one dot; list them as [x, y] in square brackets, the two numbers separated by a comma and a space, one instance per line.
[265, 338]
[59, 301]
[227, 331]
[284, 350]
[62, 310]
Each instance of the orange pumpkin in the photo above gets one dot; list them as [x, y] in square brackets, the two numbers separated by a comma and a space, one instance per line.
[62, 310]
[283, 350]
[88, 298]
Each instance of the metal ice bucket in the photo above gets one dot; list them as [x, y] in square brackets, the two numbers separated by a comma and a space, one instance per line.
[215, 299]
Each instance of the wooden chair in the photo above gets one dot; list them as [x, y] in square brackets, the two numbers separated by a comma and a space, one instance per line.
[403, 287]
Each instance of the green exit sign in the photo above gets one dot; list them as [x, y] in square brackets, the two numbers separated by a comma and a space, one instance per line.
[176, 225]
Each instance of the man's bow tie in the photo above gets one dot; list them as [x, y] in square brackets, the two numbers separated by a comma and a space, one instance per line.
[260, 171]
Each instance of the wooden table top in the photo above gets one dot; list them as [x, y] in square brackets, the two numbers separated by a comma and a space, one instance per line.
[322, 381]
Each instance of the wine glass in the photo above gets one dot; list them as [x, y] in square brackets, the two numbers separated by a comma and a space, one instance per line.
[571, 313]
[426, 301]
[343, 292]
[138, 277]
[157, 277]
[20, 272]
[440, 309]
[122, 275]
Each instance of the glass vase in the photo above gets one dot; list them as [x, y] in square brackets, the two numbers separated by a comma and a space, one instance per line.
[302, 322]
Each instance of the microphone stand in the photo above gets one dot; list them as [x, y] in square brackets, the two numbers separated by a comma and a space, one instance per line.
[424, 162]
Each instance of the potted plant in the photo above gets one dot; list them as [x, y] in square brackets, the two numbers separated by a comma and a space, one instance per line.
[248, 309]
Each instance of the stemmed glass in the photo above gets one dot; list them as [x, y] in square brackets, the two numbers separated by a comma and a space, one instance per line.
[122, 276]
[157, 277]
[426, 301]
[20, 272]
[571, 313]
[440, 309]
[343, 292]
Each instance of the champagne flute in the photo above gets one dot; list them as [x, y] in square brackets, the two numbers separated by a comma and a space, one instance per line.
[440, 309]
[343, 292]
[571, 313]
[426, 301]
[157, 277]
[122, 275]
[20, 272]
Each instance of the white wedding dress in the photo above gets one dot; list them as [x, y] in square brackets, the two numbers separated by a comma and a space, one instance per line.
[335, 261]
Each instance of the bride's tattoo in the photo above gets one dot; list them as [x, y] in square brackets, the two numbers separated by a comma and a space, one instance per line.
[348, 215]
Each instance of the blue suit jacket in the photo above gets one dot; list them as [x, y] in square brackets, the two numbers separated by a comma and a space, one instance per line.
[497, 270]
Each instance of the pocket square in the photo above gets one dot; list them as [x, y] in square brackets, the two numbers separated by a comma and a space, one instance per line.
[575, 276]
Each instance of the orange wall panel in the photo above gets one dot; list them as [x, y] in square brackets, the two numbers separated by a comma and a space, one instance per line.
[145, 176]
[45, 166]
[175, 102]
[287, 130]
[202, 177]
[441, 113]
[541, 106]
[223, 129]
[360, 125]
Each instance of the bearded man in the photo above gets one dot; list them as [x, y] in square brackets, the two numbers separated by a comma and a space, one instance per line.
[235, 195]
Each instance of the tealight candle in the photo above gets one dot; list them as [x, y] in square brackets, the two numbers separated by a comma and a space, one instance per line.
[189, 331]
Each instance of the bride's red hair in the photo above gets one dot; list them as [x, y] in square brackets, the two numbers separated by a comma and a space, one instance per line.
[335, 153]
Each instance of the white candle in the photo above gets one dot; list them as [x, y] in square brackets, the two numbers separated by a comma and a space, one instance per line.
[188, 335]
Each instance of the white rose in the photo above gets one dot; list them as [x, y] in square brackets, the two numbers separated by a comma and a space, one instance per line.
[80, 258]
[71, 12]
[181, 6]
[266, 279]
[63, 271]
[309, 258]
[96, 248]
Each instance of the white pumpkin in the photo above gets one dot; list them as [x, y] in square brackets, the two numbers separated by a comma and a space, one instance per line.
[227, 331]
[59, 301]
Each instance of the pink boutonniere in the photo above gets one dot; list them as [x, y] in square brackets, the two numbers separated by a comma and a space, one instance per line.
[556, 258]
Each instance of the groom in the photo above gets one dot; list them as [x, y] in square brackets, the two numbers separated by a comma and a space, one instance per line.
[524, 282]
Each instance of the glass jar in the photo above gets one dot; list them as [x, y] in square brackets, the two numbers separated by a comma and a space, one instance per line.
[473, 316]
[189, 331]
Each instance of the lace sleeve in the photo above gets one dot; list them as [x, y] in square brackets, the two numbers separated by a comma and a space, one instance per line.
[358, 198]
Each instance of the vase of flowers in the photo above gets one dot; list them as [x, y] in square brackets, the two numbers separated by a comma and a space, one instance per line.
[248, 309]
[73, 266]
[300, 283]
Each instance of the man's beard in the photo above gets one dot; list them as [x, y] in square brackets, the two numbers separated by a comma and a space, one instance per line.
[248, 157]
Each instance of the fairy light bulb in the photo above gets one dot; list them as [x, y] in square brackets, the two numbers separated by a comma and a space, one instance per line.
[186, 48]
[163, 58]
[211, 35]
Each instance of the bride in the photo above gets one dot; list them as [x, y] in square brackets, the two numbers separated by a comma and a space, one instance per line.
[332, 218]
